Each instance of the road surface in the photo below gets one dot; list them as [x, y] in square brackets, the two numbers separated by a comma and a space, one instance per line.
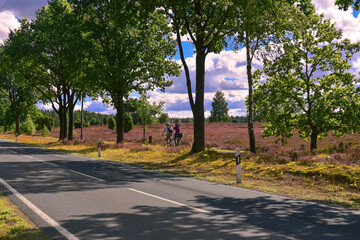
[72, 197]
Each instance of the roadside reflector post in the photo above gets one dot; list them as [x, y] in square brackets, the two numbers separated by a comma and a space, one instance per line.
[238, 165]
[16, 135]
[99, 147]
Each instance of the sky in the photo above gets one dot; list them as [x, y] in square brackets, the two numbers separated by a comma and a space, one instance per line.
[225, 72]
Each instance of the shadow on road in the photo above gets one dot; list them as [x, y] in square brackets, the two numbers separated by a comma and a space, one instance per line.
[231, 218]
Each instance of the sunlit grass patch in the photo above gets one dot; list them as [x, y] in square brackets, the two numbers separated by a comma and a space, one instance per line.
[14, 225]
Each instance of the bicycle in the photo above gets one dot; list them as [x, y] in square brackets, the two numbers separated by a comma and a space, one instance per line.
[169, 141]
[178, 139]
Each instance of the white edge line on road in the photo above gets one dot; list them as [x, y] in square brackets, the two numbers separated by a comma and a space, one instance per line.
[40, 213]
[170, 201]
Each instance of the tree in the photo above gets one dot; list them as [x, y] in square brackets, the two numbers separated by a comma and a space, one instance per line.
[130, 106]
[345, 4]
[164, 118]
[148, 111]
[19, 95]
[220, 111]
[207, 23]
[131, 49]
[50, 58]
[308, 87]
[259, 23]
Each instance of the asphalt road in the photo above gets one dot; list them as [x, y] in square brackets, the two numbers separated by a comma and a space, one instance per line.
[73, 197]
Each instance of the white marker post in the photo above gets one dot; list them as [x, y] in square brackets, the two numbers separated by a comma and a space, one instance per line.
[99, 147]
[238, 165]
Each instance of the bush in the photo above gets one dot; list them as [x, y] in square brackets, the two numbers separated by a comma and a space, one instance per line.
[44, 121]
[164, 118]
[128, 122]
[112, 124]
[87, 124]
[28, 126]
[45, 132]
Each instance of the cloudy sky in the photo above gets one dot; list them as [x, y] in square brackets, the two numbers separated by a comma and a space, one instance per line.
[225, 71]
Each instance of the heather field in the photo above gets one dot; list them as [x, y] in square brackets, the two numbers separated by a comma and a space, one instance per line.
[330, 175]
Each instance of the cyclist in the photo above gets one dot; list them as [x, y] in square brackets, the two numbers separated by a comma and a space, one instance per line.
[178, 134]
[168, 130]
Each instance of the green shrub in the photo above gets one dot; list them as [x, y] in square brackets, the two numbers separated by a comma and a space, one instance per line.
[128, 122]
[164, 118]
[28, 126]
[87, 124]
[45, 132]
[44, 121]
[112, 124]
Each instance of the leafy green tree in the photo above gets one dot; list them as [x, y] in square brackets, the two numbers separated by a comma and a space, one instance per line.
[112, 124]
[207, 23]
[345, 4]
[130, 106]
[50, 58]
[259, 23]
[308, 87]
[148, 111]
[20, 96]
[220, 111]
[164, 118]
[131, 48]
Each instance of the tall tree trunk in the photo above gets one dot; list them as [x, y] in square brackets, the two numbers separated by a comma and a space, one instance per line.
[144, 130]
[120, 120]
[250, 97]
[199, 116]
[63, 122]
[82, 116]
[314, 136]
[71, 123]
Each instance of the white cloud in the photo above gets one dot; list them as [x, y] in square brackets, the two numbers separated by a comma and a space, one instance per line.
[344, 19]
[7, 21]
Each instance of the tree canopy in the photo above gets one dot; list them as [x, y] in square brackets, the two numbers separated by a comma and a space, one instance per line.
[307, 86]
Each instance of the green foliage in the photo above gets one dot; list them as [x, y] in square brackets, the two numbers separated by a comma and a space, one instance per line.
[164, 118]
[148, 111]
[128, 122]
[112, 124]
[28, 126]
[45, 132]
[43, 122]
[345, 4]
[308, 87]
[220, 111]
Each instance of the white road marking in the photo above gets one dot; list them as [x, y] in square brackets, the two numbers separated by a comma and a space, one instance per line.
[40, 213]
[54, 165]
[170, 201]
[101, 180]
[20, 154]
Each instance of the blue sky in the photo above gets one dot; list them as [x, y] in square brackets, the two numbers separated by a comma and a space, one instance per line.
[225, 71]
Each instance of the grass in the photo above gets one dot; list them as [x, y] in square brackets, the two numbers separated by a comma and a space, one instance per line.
[15, 225]
[314, 180]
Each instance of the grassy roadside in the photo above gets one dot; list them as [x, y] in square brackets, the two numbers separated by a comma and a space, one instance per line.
[325, 183]
[15, 225]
